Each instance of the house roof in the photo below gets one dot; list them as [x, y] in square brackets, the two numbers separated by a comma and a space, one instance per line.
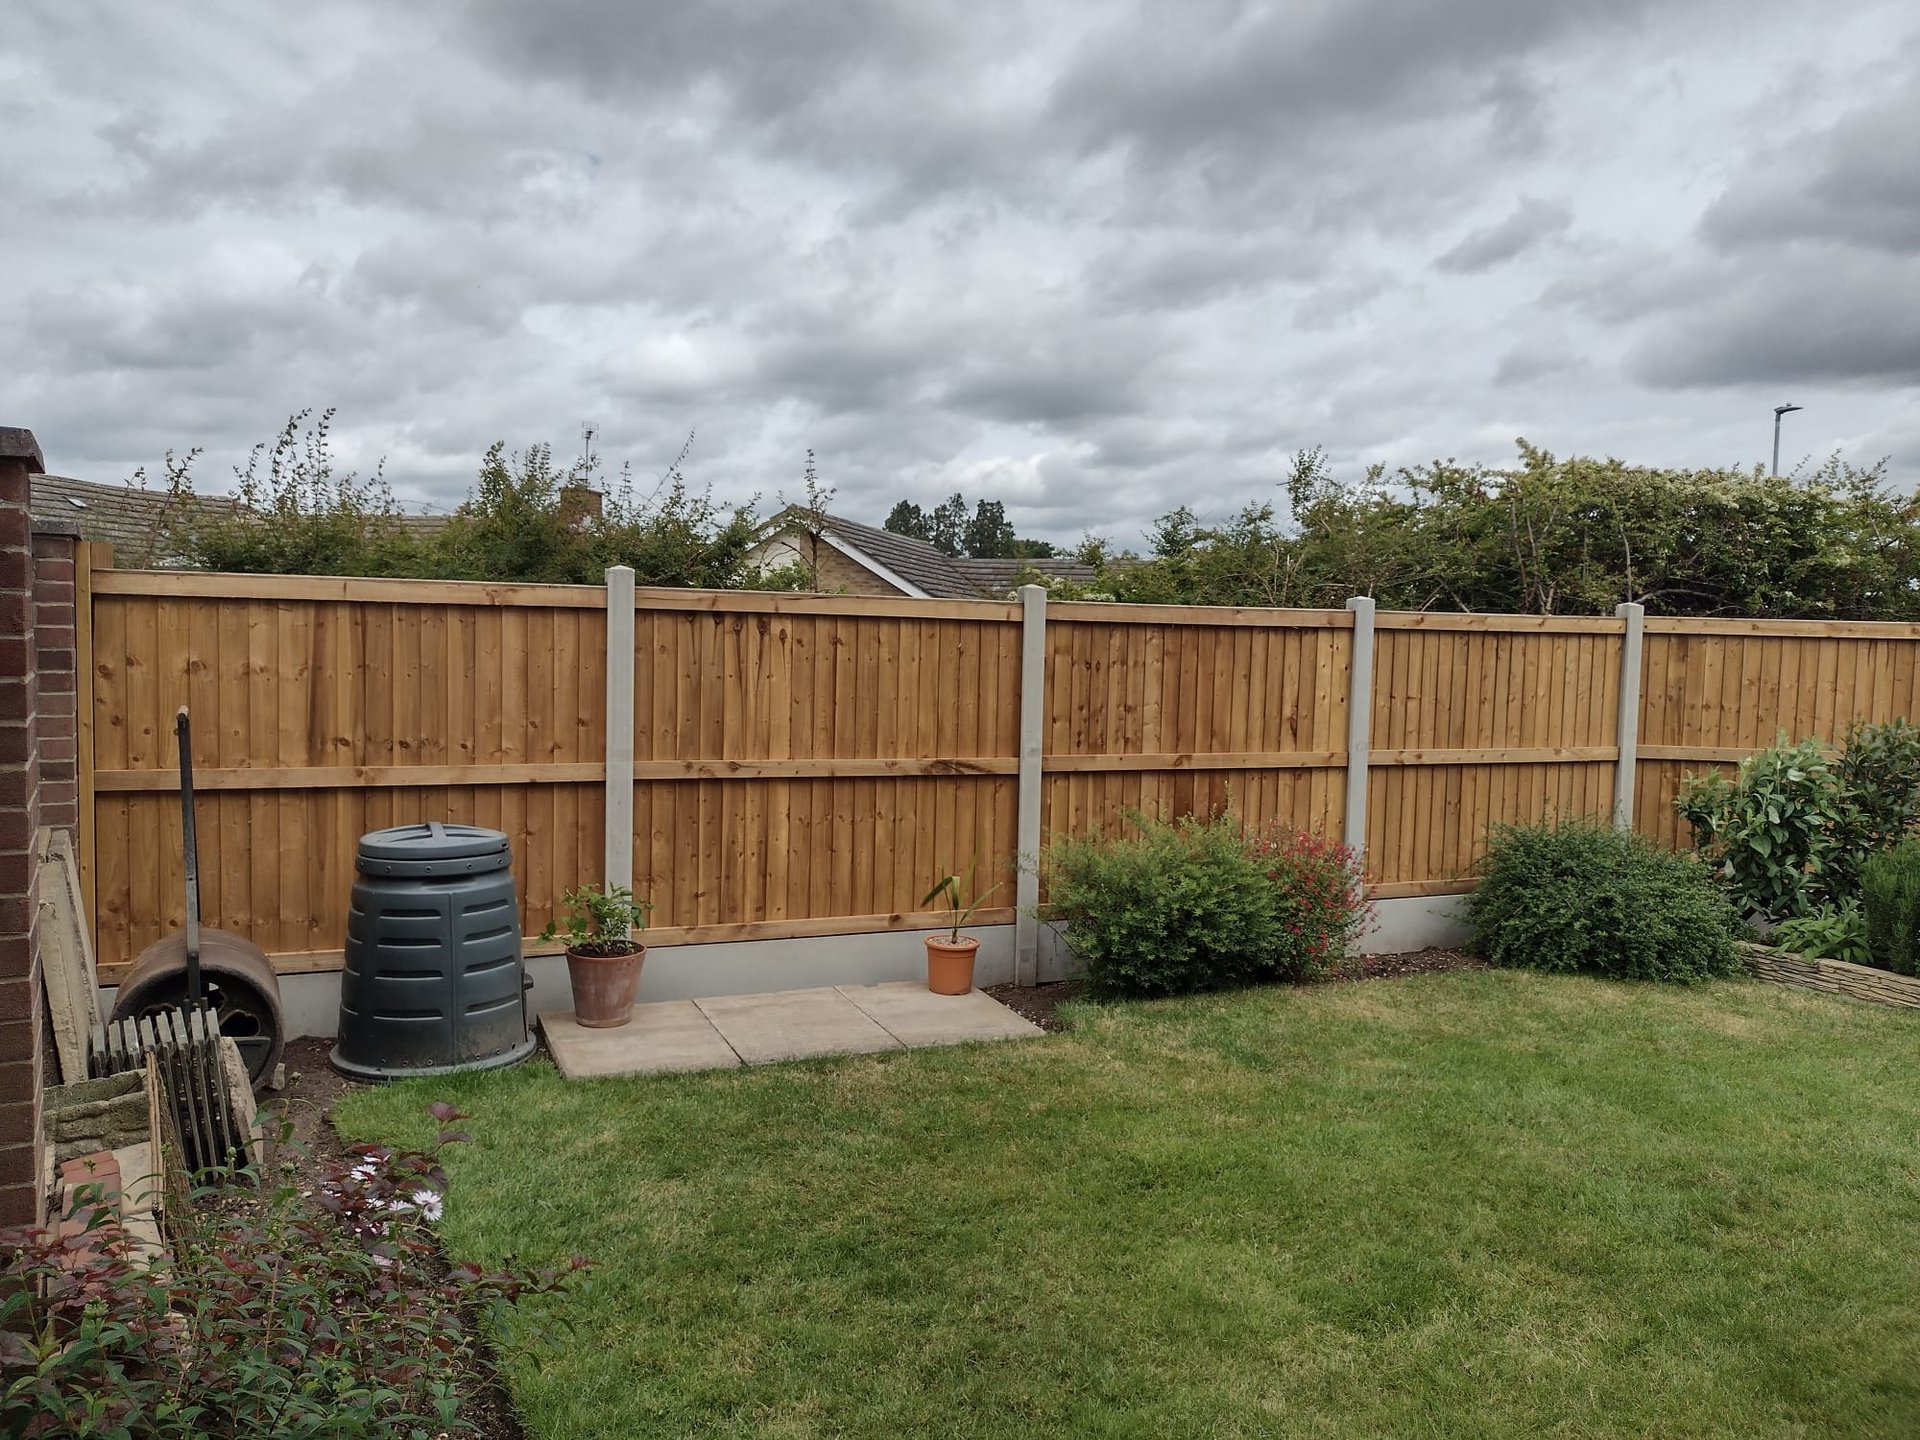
[131, 519]
[929, 570]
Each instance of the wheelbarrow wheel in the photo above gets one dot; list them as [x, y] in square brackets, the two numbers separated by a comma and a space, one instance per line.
[241, 990]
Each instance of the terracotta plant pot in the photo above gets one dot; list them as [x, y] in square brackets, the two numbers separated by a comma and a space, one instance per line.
[604, 987]
[950, 964]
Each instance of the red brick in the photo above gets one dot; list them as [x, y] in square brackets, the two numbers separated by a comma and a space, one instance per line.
[17, 824]
[49, 611]
[18, 1119]
[16, 912]
[17, 1041]
[16, 607]
[19, 1204]
[16, 985]
[16, 742]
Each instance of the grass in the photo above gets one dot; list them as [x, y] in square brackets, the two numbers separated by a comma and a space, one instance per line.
[1478, 1204]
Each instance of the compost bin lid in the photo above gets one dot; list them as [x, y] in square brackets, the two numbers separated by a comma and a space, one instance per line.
[433, 848]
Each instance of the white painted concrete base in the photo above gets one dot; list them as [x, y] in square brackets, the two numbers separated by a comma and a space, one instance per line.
[747, 967]
[1417, 923]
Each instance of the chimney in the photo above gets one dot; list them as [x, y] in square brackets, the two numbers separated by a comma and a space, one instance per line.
[579, 502]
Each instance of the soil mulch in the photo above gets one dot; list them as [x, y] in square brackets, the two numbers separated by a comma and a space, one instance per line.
[306, 1104]
[1039, 1003]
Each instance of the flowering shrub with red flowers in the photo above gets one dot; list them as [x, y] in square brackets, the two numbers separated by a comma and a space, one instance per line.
[1202, 904]
[284, 1312]
[1322, 898]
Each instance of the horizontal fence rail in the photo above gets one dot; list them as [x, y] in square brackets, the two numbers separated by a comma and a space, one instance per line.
[764, 766]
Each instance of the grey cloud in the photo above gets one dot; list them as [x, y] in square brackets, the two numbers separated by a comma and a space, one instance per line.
[1532, 221]
[1824, 315]
[1107, 257]
[1856, 183]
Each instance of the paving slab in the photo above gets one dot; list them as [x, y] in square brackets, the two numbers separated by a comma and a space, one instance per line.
[664, 1036]
[917, 1017]
[794, 1024]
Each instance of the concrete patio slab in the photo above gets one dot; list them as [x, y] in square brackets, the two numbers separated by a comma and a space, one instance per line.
[917, 1017]
[668, 1036]
[794, 1024]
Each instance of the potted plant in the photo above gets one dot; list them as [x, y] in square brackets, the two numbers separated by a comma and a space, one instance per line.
[950, 957]
[603, 958]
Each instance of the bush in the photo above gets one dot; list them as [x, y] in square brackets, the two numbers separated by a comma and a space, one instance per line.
[1198, 905]
[1791, 829]
[1586, 898]
[1879, 766]
[1832, 932]
[1890, 905]
[1322, 899]
[286, 1312]
[1777, 831]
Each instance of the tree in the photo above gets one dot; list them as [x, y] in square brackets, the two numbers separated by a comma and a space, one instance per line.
[985, 533]
[947, 525]
[907, 518]
[1552, 536]
[526, 519]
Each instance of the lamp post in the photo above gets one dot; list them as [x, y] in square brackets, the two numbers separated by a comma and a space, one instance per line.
[1778, 411]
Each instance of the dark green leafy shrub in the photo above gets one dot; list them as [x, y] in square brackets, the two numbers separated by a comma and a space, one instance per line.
[321, 1312]
[1582, 897]
[1777, 831]
[1200, 905]
[1890, 903]
[1879, 767]
[1832, 932]
[1790, 830]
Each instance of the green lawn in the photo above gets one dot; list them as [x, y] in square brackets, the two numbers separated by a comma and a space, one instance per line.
[1477, 1204]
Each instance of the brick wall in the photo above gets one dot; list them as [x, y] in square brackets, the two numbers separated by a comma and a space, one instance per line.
[22, 1051]
[839, 574]
[56, 722]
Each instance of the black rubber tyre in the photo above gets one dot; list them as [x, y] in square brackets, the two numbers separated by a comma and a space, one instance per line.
[240, 986]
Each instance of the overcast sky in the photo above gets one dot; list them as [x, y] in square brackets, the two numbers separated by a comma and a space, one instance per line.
[1092, 257]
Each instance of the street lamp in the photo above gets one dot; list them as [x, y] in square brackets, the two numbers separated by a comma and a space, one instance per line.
[1778, 411]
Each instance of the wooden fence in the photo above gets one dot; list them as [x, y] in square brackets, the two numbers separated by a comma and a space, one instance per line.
[801, 765]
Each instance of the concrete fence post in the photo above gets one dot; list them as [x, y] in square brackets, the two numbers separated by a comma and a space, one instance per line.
[1359, 723]
[619, 782]
[1628, 729]
[1033, 687]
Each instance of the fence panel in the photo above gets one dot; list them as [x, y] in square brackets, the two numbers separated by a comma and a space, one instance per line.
[321, 710]
[813, 760]
[1713, 691]
[1482, 720]
[1171, 710]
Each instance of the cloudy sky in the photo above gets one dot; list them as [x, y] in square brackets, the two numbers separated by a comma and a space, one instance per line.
[1093, 257]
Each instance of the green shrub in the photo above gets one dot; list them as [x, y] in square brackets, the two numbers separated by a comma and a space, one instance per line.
[1879, 766]
[1789, 832]
[1777, 831]
[1199, 905]
[1890, 903]
[1832, 932]
[1582, 897]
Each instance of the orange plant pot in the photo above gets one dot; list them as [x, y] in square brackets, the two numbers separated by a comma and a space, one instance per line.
[604, 987]
[950, 964]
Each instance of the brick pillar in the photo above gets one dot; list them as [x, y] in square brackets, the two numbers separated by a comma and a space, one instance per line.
[56, 721]
[22, 1201]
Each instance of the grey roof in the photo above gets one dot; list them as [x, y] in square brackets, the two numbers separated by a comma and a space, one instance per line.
[914, 561]
[942, 576]
[131, 519]
[997, 579]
